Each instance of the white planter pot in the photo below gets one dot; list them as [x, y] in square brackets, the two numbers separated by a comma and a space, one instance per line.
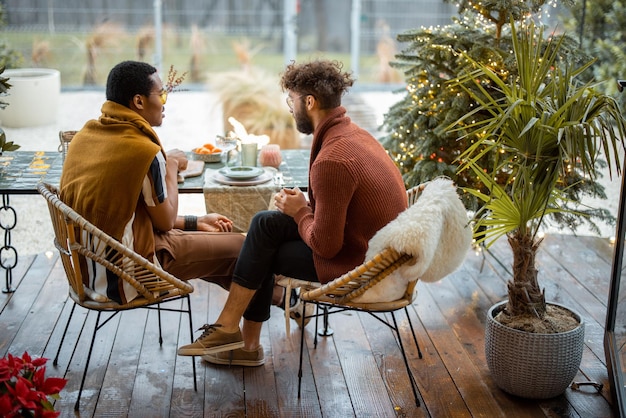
[33, 97]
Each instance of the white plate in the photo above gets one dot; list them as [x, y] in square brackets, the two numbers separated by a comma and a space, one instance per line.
[241, 173]
[263, 178]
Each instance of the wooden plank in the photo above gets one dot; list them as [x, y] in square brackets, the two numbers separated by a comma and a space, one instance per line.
[19, 305]
[75, 362]
[18, 273]
[185, 401]
[437, 388]
[451, 340]
[153, 385]
[390, 362]
[460, 294]
[602, 246]
[34, 332]
[450, 329]
[261, 387]
[224, 386]
[575, 257]
[121, 373]
[359, 368]
[286, 355]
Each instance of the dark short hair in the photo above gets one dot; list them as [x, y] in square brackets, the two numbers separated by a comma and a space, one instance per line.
[127, 79]
[321, 78]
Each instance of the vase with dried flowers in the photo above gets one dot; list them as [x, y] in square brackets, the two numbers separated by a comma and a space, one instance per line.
[174, 80]
[24, 389]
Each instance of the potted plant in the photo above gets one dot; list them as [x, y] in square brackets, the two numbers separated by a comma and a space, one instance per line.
[25, 391]
[543, 123]
[4, 88]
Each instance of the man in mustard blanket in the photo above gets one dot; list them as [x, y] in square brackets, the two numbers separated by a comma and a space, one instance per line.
[117, 175]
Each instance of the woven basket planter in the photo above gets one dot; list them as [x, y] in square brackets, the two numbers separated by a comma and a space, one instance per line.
[529, 365]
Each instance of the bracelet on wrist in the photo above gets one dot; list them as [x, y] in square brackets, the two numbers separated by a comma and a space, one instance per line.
[191, 223]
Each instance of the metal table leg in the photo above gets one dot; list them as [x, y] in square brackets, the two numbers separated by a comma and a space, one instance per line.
[8, 253]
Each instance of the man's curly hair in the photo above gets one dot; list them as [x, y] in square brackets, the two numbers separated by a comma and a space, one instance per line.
[322, 79]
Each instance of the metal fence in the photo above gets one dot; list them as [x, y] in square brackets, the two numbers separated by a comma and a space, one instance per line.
[321, 26]
[327, 22]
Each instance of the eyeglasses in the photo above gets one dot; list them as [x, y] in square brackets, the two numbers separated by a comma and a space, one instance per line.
[289, 100]
[162, 95]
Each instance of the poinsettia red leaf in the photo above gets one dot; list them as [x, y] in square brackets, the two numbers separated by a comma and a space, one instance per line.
[52, 385]
[26, 357]
[24, 388]
[49, 414]
[23, 394]
[39, 376]
[15, 364]
[5, 371]
[6, 405]
[24, 382]
[39, 361]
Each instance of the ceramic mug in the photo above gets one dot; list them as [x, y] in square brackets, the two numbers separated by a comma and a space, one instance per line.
[248, 154]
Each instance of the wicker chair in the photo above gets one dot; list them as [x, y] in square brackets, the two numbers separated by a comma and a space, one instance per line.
[65, 137]
[78, 240]
[339, 294]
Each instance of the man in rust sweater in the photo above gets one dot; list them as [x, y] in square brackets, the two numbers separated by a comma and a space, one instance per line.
[354, 190]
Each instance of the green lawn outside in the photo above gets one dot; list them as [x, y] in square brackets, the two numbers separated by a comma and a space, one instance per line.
[68, 53]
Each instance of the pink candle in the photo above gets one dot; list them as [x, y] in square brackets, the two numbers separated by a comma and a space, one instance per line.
[270, 155]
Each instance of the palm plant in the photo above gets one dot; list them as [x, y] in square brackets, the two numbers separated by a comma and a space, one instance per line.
[4, 90]
[542, 123]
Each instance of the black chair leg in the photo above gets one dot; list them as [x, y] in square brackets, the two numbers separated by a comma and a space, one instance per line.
[82, 382]
[326, 331]
[302, 348]
[67, 325]
[159, 317]
[406, 361]
[193, 359]
[419, 352]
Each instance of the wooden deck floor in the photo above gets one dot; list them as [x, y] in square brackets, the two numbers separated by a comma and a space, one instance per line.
[356, 372]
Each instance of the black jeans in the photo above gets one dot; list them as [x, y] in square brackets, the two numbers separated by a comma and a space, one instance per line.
[272, 246]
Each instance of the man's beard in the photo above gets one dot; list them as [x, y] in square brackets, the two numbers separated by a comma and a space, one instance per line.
[303, 124]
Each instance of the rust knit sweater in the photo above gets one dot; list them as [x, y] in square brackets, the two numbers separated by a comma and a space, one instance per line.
[354, 190]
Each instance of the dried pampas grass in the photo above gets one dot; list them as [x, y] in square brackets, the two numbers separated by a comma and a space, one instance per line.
[41, 53]
[105, 35]
[254, 98]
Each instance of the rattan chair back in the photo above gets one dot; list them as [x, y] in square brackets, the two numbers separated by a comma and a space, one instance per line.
[77, 240]
[65, 137]
[80, 242]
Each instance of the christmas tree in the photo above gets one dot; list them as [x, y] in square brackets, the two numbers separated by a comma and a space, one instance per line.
[600, 26]
[418, 136]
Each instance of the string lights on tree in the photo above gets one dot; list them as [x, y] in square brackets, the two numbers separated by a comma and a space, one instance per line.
[417, 138]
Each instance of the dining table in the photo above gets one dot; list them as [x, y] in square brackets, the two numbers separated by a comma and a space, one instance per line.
[22, 171]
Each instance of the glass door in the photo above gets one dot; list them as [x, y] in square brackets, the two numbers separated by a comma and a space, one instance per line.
[615, 329]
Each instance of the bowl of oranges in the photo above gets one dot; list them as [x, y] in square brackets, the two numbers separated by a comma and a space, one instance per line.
[208, 153]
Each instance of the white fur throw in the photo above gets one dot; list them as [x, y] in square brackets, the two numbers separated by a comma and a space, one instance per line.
[435, 230]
